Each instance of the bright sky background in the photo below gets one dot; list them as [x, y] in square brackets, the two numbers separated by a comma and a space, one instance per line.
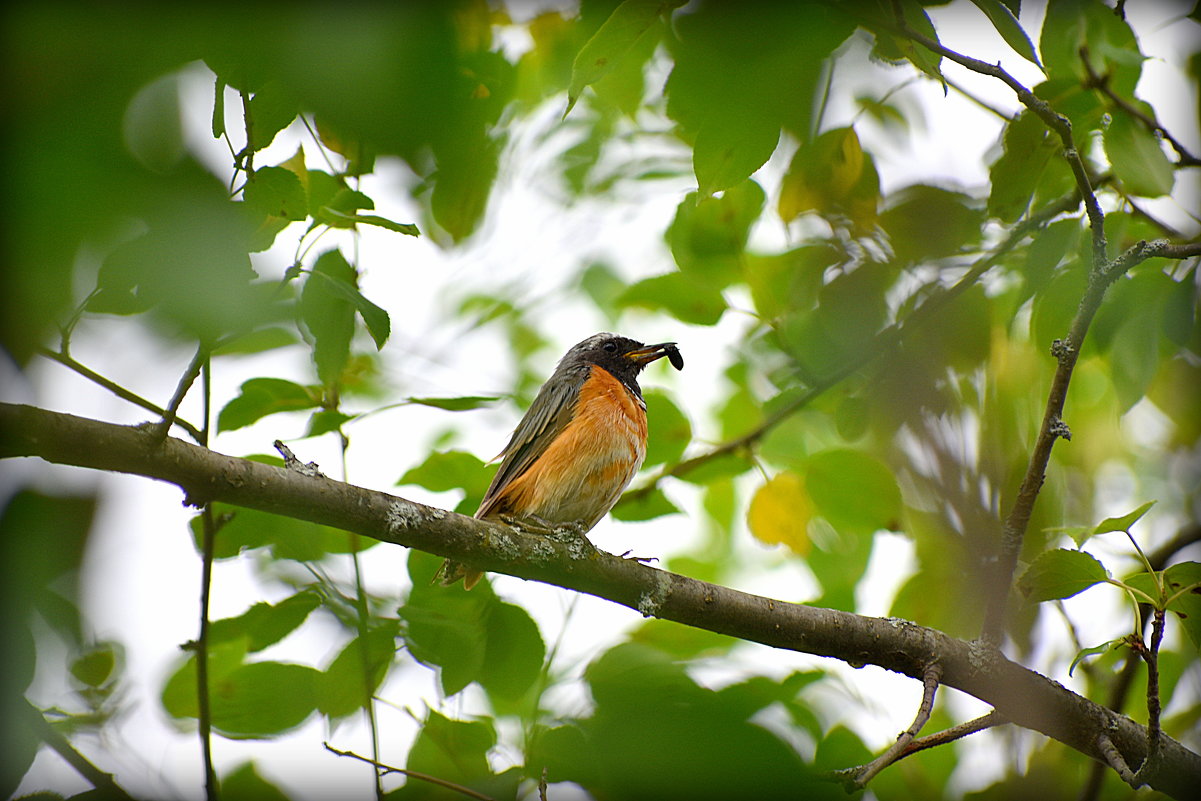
[141, 585]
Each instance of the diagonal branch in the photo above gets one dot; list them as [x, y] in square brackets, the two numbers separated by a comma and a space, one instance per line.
[858, 778]
[103, 782]
[1021, 695]
[1101, 84]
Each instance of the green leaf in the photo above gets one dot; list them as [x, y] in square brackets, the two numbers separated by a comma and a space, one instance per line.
[1028, 149]
[379, 325]
[1187, 607]
[242, 529]
[328, 312]
[1060, 573]
[443, 471]
[244, 783]
[513, 652]
[271, 109]
[928, 222]
[1010, 29]
[647, 506]
[447, 632]
[179, 691]
[218, 122]
[95, 666]
[1134, 357]
[1123, 522]
[462, 404]
[322, 422]
[349, 220]
[261, 397]
[686, 299]
[276, 192]
[730, 147]
[853, 490]
[604, 50]
[347, 685]
[1084, 653]
[454, 750]
[1137, 156]
[262, 700]
[670, 431]
[265, 624]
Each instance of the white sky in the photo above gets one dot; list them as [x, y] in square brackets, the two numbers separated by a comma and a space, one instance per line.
[142, 574]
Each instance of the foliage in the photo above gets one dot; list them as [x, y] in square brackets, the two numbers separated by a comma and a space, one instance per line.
[883, 376]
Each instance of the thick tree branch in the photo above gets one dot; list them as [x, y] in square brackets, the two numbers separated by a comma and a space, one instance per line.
[1022, 696]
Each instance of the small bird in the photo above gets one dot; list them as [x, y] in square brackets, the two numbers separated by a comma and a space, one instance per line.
[579, 445]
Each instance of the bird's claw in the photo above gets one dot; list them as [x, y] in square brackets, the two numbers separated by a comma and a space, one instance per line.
[641, 559]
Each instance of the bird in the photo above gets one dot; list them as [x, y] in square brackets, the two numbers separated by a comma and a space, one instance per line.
[578, 446]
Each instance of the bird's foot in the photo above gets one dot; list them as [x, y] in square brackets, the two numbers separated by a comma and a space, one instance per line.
[642, 559]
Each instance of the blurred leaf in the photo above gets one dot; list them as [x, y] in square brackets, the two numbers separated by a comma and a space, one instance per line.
[95, 666]
[729, 148]
[323, 422]
[261, 397]
[686, 299]
[1009, 28]
[788, 281]
[646, 506]
[262, 700]
[670, 431]
[258, 341]
[604, 50]
[1111, 46]
[1060, 573]
[447, 633]
[780, 511]
[241, 529]
[244, 783]
[1134, 357]
[453, 750]
[832, 176]
[450, 470]
[265, 624]
[853, 490]
[179, 691]
[327, 309]
[897, 48]
[462, 404]
[841, 748]
[349, 683]
[708, 234]
[1028, 149]
[1137, 156]
[466, 170]
[513, 652]
[928, 222]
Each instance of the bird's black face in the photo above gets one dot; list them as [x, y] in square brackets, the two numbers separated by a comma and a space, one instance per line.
[623, 357]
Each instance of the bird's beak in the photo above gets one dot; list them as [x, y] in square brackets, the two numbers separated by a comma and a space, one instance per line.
[649, 353]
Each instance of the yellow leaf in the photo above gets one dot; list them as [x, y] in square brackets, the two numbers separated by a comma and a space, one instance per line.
[831, 175]
[780, 511]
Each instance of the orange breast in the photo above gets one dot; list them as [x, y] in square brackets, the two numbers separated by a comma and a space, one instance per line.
[583, 472]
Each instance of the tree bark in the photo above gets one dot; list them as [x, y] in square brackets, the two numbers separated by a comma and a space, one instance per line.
[1022, 696]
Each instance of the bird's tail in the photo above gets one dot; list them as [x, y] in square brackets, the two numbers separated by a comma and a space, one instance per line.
[449, 572]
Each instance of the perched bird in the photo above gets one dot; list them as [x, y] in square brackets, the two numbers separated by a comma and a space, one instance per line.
[578, 446]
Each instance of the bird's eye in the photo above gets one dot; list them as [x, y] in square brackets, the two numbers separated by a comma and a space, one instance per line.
[610, 347]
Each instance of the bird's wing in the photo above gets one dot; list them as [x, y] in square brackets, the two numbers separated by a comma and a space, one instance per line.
[547, 417]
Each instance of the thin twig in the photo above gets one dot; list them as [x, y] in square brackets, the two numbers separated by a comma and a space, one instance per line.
[866, 773]
[1115, 759]
[181, 391]
[1101, 84]
[413, 774]
[1154, 707]
[209, 524]
[118, 390]
[986, 721]
[62, 746]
